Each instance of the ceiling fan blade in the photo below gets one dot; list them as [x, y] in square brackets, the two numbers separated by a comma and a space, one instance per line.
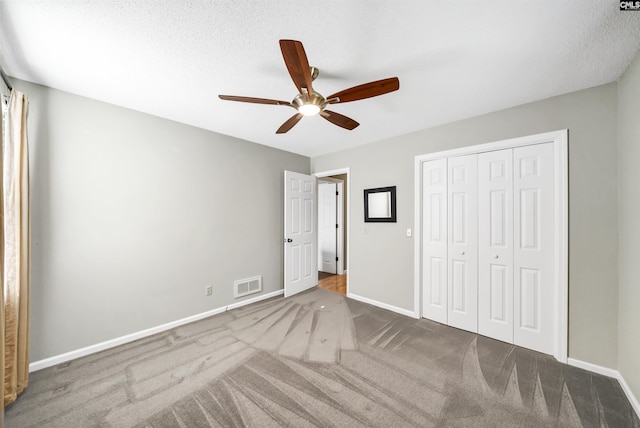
[254, 100]
[340, 120]
[290, 123]
[367, 90]
[296, 61]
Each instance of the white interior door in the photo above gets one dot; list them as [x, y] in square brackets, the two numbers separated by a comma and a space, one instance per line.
[462, 278]
[327, 227]
[434, 240]
[300, 269]
[495, 244]
[534, 253]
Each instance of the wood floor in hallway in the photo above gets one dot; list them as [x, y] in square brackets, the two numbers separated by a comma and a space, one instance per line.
[331, 282]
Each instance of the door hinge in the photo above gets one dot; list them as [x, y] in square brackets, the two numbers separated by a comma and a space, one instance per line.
[336, 225]
[337, 193]
[336, 259]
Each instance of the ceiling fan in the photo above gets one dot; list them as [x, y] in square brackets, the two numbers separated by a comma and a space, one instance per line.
[309, 102]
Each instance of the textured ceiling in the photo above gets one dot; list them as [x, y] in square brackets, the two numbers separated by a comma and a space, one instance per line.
[454, 59]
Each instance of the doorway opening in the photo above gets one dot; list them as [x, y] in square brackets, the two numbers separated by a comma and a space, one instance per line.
[333, 214]
[333, 282]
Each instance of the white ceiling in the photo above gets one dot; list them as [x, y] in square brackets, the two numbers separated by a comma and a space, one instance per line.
[454, 59]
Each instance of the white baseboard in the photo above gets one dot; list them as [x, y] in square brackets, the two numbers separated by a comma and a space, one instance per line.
[632, 398]
[606, 371]
[112, 343]
[610, 373]
[383, 305]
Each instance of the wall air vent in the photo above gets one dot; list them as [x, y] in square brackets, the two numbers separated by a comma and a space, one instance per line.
[244, 287]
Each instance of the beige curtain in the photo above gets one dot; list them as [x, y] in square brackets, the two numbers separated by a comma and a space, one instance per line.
[16, 246]
[1, 270]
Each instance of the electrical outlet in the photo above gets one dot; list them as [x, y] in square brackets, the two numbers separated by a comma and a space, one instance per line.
[208, 291]
[408, 233]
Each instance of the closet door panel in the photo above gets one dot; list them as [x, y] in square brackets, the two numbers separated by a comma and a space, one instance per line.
[495, 244]
[434, 240]
[534, 251]
[463, 242]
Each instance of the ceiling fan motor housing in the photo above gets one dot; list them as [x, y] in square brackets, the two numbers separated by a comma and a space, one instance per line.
[301, 101]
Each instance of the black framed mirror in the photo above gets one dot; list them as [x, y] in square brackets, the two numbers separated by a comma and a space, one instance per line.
[380, 205]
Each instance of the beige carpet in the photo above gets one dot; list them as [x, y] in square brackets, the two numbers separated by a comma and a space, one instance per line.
[318, 359]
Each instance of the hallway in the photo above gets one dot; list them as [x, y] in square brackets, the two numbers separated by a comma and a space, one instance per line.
[331, 282]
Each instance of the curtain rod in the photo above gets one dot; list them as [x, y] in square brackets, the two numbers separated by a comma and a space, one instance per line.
[5, 79]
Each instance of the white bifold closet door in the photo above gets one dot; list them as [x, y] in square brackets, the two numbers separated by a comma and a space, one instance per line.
[462, 278]
[516, 251]
[434, 240]
[495, 244]
[488, 239]
[534, 255]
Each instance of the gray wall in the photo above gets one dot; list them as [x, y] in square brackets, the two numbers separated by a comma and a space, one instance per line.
[381, 260]
[133, 216]
[629, 218]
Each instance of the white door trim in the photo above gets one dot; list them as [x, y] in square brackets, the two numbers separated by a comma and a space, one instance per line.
[339, 220]
[337, 223]
[339, 171]
[561, 186]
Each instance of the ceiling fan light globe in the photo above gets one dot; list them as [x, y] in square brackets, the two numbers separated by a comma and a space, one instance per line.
[309, 109]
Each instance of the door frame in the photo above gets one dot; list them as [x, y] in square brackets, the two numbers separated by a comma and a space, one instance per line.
[561, 218]
[339, 220]
[327, 174]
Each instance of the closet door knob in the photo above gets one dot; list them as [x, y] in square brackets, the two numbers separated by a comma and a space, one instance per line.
[495, 256]
[462, 253]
